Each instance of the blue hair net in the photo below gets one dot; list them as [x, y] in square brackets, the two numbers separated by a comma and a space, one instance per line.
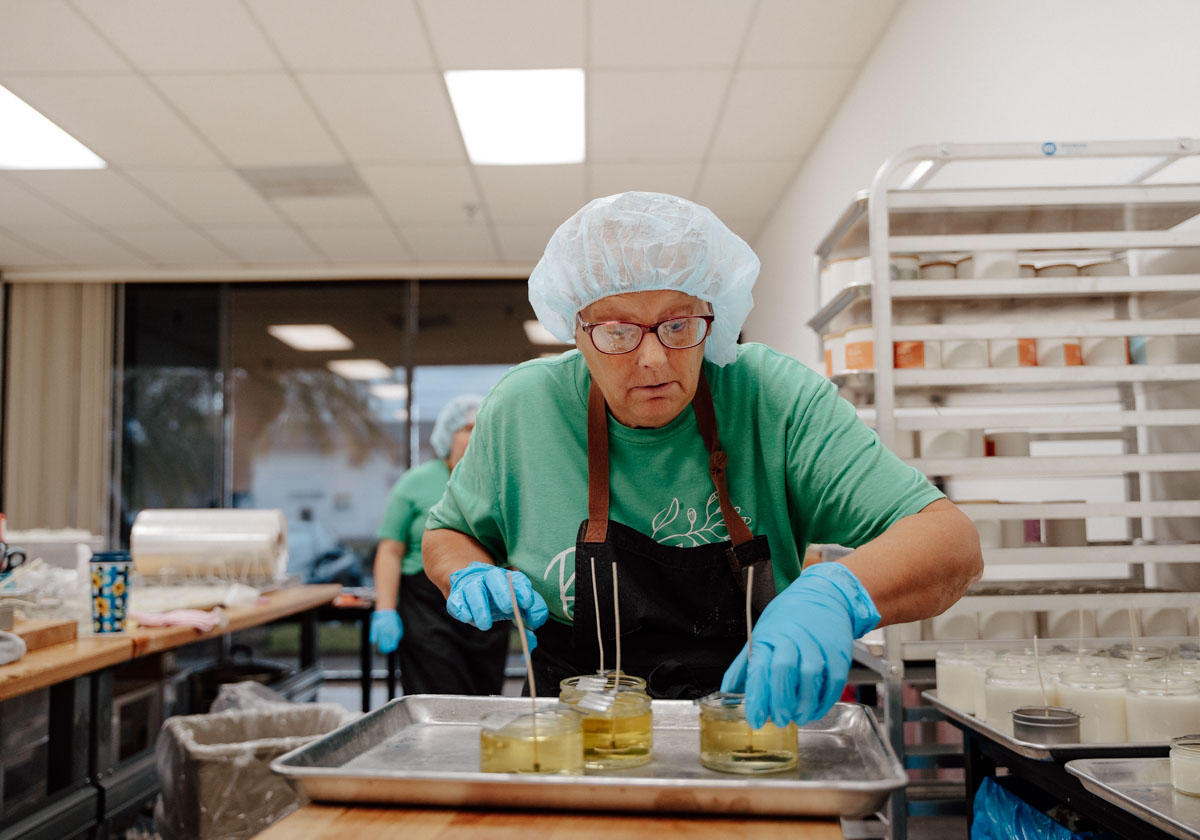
[639, 242]
[457, 413]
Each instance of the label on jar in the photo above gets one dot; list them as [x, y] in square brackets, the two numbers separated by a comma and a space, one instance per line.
[1072, 354]
[909, 354]
[1027, 352]
[860, 355]
[828, 362]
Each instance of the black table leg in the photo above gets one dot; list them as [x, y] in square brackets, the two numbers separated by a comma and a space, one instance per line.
[976, 767]
[365, 659]
[393, 663]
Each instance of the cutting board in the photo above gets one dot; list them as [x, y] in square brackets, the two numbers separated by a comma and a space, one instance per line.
[42, 633]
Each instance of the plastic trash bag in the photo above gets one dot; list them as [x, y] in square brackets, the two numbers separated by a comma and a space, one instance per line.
[239, 696]
[1001, 815]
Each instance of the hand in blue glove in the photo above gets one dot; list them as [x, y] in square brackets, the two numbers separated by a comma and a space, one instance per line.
[386, 630]
[479, 596]
[802, 647]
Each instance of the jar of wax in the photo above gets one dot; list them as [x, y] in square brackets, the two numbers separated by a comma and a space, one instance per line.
[955, 671]
[1008, 688]
[1160, 707]
[1099, 697]
[1186, 651]
[1185, 764]
[1138, 653]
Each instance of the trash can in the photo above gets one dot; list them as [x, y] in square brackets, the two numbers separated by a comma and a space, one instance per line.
[214, 770]
[240, 666]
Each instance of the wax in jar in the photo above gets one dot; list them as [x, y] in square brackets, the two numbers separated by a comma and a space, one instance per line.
[1161, 708]
[550, 742]
[955, 671]
[728, 744]
[1099, 697]
[1185, 764]
[1009, 688]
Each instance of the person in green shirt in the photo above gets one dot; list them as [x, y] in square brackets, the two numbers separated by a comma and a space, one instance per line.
[701, 470]
[438, 655]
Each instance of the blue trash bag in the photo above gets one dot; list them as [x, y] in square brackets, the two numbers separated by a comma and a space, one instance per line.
[1001, 815]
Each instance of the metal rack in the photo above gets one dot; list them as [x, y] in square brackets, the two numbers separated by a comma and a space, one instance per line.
[1040, 223]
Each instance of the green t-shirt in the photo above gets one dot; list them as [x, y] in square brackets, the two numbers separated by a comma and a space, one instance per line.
[408, 506]
[802, 469]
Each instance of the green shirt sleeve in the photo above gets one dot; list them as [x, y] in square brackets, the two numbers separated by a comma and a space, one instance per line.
[854, 486]
[397, 516]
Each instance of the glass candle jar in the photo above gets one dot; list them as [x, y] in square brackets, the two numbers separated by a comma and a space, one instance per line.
[1138, 653]
[1185, 764]
[1099, 697]
[1160, 707]
[728, 744]
[1187, 651]
[622, 733]
[548, 742]
[955, 672]
[1008, 688]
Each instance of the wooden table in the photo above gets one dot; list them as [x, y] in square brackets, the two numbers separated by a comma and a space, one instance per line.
[336, 822]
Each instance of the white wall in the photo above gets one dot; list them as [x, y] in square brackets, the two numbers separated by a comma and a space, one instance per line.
[977, 71]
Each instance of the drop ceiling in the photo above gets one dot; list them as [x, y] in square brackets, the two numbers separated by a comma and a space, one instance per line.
[294, 138]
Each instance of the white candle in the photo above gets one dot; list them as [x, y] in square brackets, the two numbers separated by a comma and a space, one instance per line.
[1009, 688]
[955, 672]
[1099, 698]
[1185, 765]
[1159, 708]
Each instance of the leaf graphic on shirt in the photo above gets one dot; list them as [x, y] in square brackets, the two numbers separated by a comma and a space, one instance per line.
[566, 583]
[665, 517]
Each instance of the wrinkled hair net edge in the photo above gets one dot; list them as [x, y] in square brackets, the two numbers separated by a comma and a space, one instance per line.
[454, 415]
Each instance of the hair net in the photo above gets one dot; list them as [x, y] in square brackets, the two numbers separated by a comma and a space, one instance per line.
[457, 413]
[639, 242]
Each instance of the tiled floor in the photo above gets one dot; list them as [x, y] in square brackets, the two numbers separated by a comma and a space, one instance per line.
[349, 695]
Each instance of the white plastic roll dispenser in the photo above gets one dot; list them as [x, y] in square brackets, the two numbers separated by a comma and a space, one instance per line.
[231, 544]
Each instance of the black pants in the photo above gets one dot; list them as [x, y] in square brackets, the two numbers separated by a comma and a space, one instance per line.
[441, 655]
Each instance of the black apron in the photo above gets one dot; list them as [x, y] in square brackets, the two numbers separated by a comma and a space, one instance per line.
[682, 610]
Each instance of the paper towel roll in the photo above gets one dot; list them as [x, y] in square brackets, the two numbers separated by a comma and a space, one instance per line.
[228, 544]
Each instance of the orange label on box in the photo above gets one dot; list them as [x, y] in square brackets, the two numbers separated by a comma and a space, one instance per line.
[828, 362]
[860, 355]
[1027, 352]
[909, 354]
[1072, 354]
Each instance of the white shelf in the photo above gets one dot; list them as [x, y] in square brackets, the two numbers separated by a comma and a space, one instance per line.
[1075, 510]
[1035, 377]
[1107, 240]
[1056, 329]
[1026, 601]
[1040, 286]
[1059, 465]
[1052, 417]
[1091, 554]
[1128, 199]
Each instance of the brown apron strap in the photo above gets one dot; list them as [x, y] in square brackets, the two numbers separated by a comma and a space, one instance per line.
[597, 451]
[598, 488]
[706, 419]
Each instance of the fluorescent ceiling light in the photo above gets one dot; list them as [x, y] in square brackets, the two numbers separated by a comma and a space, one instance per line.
[30, 141]
[537, 334]
[519, 116]
[360, 368]
[311, 336]
[390, 391]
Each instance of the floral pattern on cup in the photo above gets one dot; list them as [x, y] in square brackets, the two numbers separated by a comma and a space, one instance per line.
[110, 596]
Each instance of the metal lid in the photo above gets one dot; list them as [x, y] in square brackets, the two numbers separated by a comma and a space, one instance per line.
[1056, 717]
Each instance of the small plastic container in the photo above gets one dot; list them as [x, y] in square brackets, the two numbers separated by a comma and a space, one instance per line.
[623, 734]
[1160, 707]
[729, 745]
[548, 742]
[1185, 764]
[1098, 695]
[1046, 725]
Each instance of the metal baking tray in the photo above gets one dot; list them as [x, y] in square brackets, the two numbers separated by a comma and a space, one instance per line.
[1141, 786]
[1049, 752]
[424, 750]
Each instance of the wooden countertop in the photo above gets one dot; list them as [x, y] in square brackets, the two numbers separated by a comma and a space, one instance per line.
[336, 822]
[57, 663]
[279, 604]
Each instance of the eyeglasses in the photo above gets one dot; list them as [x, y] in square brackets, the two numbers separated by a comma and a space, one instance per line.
[616, 337]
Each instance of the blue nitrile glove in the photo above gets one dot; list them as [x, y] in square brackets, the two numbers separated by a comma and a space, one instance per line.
[479, 596]
[802, 647]
[386, 630]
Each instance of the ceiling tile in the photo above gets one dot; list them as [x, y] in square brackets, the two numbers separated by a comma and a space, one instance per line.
[173, 246]
[524, 242]
[208, 197]
[346, 35]
[653, 115]
[47, 36]
[20, 206]
[101, 196]
[266, 244]
[333, 212]
[394, 118]
[674, 178]
[15, 251]
[361, 244]
[172, 36]
[667, 33]
[515, 34]
[82, 246]
[148, 133]
[813, 32]
[744, 190]
[778, 113]
[259, 120]
[433, 193]
[532, 193]
[460, 242]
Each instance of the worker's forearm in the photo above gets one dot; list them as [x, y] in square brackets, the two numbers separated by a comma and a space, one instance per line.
[446, 551]
[388, 557]
[921, 565]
